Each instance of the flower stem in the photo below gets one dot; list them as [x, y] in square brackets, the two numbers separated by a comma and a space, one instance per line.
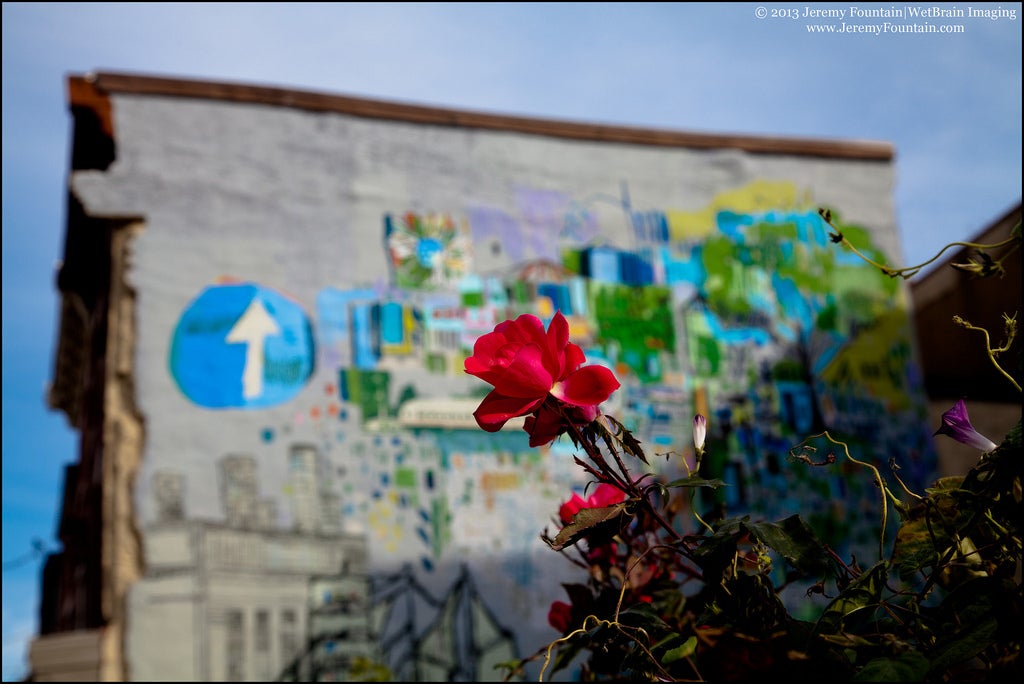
[878, 481]
[1011, 331]
[910, 271]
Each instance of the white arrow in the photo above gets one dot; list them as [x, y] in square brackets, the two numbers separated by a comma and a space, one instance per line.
[252, 328]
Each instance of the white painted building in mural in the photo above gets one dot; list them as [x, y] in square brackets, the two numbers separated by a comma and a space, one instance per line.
[267, 297]
[235, 605]
[241, 600]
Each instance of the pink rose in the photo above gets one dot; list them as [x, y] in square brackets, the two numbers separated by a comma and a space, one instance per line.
[605, 495]
[526, 366]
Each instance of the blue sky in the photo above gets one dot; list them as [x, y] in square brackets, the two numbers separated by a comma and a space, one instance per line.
[950, 103]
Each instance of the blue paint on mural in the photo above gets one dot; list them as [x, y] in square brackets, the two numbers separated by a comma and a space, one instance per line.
[366, 348]
[793, 302]
[684, 270]
[391, 328]
[734, 335]
[333, 323]
[734, 225]
[650, 226]
[241, 346]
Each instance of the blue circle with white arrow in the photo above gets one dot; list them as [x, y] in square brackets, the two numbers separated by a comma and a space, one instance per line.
[241, 346]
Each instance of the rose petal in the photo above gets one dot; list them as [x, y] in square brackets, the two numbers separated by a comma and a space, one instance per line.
[560, 616]
[605, 495]
[523, 330]
[574, 358]
[544, 425]
[570, 508]
[557, 339]
[490, 352]
[587, 386]
[526, 376]
[496, 409]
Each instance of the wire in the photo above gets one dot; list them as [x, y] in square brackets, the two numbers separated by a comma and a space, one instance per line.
[38, 551]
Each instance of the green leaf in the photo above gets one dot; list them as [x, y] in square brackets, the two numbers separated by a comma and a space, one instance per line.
[907, 667]
[862, 592]
[607, 520]
[968, 642]
[687, 649]
[632, 445]
[972, 622]
[645, 616]
[620, 435]
[945, 484]
[716, 552]
[795, 541]
[694, 481]
[925, 535]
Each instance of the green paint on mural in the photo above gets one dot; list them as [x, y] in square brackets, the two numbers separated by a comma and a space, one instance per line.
[366, 389]
[435, 362]
[441, 521]
[572, 260]
[722, 287]
[405, 477]
[708, 360]
[826, 319]
[521, 292]
[637, 321]
[788, 370]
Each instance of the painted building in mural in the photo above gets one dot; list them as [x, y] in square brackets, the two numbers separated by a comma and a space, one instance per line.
[268, 297]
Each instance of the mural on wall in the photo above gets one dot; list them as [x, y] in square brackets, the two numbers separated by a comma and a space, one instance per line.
[240, 345]
[743, 311]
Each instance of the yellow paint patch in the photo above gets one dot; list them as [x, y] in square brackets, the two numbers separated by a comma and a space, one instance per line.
[493, 482]
[756, 197]
[871, 361]
[545, 307]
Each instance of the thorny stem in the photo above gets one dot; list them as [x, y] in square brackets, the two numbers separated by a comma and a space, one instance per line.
[1011, 332]
[661, 521]
[622, 482]
[605, 474]
[598, 475]
[615, 452]
[595, 455]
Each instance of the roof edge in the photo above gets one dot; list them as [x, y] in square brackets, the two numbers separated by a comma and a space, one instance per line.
[938, 278]
[83, 92]
[137, 84]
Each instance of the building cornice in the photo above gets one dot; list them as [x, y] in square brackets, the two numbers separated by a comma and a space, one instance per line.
[89, 90]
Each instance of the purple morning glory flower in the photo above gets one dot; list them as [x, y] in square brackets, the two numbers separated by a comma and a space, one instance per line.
[957, 424]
